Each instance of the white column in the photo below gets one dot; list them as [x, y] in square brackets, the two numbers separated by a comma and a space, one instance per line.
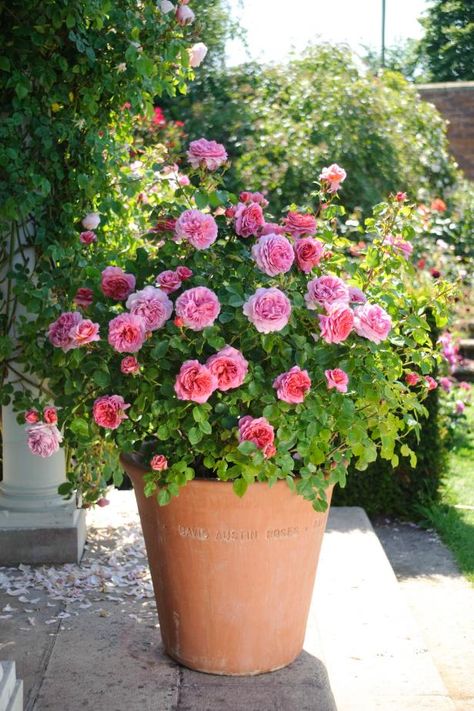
[11, 688]
[36, 524]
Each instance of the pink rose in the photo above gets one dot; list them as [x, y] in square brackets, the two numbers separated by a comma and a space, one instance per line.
[197, 228]
[293, 386]
[308, 252]
[460, 406]
[84, 297]
[338, 324]
[198, 308]
[166, 6]
[271, 228]
[59, 332]
[259, 431]
[50, 415]
[184, 273]
[43, 439]
[356, 296]
[412, 378]
[152, 305]
[326, 290]
[84, 332]
[337, 379]
[88, 237]
[446, 384]
[197, 54]
[129, 365]
[168, 281]
[273, 254]
[268, 309]
[184, 15]
[195, 382]
[159, 463]
[206, 154]
[372, 322]
[464, 385]
[249, 219]
[103, 502]
[299, 224]
[109, 411]
[333, 177]
[91, 221]
[127, 333]
[230, 368]
[116, 284]
[32, 417]
[430, 383]
[400, 245]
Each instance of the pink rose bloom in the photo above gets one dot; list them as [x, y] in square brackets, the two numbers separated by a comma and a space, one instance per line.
[91, 221]
[326, 290]
[400, 245]
[337, 379]
[159, 463]
[249, 219]
[259, 431]
[260, 198]
[59, 332]
[271, 228]
[84, 332]
[308, 252]
[333, 176]
[129, 365]
[88, 237]
[372, 322]
[152, 305]
[446, 384]
[459, 407]
[300, 224]
[127, 333]
[32, 417]
[293, 386]
[206, 154]
[356, 296]
[84, 297]
[197, 54]
[464, 386]
[109, 411]
[230, 368]
[116, 284]
[103, 502]
[184, 273]
[184, 15]
[338, 324]
[430, 383]
[197, 308]
[268, 309]
[50, 415]
[197, 228]
[412, 378]
[168, 281]
[273, 254]
[43, 439]
[195, 382]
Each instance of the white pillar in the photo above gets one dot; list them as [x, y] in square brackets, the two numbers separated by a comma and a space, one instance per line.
[11, 688]
[36, 524]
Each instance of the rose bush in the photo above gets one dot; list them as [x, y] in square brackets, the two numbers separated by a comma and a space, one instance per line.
[281, 360]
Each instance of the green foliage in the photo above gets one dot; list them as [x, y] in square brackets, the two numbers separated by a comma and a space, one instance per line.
[278, 123]
[447, 47]
[315, 440]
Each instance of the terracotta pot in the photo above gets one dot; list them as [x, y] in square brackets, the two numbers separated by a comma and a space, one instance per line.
[233, 578]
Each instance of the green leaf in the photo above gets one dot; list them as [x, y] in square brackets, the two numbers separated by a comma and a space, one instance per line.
[240, 486]
[101, 377]
[80, 428]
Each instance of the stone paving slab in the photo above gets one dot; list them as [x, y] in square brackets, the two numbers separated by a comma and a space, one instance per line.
[441, 600]
[360, 633]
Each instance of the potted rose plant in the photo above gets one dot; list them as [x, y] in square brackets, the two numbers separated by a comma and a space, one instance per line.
[239, 363]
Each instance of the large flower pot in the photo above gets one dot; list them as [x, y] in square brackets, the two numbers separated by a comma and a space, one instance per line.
[233, 578]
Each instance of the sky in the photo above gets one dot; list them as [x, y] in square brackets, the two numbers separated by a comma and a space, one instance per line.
[274, 27]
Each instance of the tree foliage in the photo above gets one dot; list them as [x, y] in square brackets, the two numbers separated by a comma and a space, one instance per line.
[447, 47]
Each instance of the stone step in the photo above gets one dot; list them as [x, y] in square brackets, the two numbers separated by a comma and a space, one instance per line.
[376, 657]
[11, 689]
[464, 371]
[466, 347]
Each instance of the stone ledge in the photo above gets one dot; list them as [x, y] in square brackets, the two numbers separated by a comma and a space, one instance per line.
[11, 688]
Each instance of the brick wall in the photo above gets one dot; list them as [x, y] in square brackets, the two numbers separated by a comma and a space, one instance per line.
[455, 101]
